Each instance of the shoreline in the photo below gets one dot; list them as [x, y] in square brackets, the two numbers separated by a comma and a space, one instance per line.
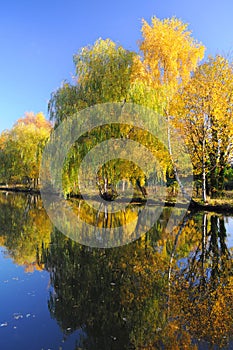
[194, 206]
[33, 191]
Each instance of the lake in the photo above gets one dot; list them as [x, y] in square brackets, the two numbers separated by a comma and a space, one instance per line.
[165, 290]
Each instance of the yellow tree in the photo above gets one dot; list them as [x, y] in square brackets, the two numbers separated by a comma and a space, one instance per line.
[5, 158]
[169, 55]
[205, 118]
[22, 146]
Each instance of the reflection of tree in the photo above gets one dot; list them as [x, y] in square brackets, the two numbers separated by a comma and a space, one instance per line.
[122, 297]
[202, 297]
[24, 228]
[103, 225]
[117, 295]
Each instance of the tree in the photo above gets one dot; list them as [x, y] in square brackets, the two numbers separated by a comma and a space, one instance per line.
[106, 72]
[203, 112]
[169, 56]
[103, 72]
[6, 158]
[21, 149]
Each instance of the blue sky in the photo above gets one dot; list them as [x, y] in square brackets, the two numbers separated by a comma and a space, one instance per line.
[39, 38]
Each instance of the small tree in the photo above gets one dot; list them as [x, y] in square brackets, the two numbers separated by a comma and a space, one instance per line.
[21, 149]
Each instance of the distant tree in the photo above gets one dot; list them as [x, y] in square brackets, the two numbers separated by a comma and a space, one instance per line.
[21, 149]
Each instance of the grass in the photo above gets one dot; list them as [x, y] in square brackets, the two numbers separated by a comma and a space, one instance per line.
[224, 201]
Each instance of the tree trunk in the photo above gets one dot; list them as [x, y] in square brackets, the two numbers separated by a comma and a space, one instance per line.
[222, 165]
[204, 183]
[183, 191]
[105, 185]
[123, 185]
[203, 169]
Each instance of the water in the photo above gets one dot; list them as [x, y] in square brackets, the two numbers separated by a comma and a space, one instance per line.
[25, 320]
[163, 291]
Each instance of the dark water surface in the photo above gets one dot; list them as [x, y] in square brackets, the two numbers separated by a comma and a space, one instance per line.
[164, 291]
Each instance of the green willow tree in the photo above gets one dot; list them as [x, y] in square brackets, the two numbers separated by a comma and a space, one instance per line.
[103, 73]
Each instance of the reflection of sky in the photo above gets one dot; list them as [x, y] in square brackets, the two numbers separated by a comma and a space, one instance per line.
[229, 229]
[25, 321]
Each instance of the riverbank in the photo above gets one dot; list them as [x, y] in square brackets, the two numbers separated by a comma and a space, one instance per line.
[19, 189]
[223, 205]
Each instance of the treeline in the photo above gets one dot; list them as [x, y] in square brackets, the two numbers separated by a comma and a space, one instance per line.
[166, 75]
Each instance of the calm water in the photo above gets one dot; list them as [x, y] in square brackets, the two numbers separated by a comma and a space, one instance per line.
[163, 291]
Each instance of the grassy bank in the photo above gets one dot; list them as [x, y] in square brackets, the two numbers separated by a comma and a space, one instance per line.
[222, 204]
[19, 188]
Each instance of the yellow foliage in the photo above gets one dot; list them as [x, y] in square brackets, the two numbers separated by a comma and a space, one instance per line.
[203, 113]
[170, 54]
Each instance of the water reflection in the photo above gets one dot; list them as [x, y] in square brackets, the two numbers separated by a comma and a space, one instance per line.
[24, 228]
[202, 290]
[163, 291]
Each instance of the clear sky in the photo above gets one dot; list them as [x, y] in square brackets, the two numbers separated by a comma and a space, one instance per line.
[39, 38]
